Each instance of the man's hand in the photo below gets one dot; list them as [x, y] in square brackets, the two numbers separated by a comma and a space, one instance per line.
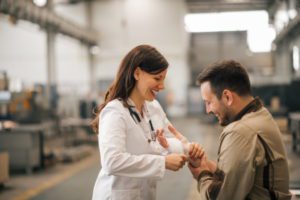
[196, 152]
[175, 161]
[162, 139]
[205, 164]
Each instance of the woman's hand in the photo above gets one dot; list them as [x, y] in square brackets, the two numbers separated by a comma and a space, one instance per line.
[161, 138]
[175, 161]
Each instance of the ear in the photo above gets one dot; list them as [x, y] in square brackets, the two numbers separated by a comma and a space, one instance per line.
[227, 97]
[137, 73]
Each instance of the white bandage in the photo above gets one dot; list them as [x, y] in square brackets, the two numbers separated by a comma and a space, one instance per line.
[175, 146]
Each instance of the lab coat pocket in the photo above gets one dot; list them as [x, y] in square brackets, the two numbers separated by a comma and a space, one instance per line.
[126, 195]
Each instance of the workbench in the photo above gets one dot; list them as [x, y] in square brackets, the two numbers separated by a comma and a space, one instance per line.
[25, 145]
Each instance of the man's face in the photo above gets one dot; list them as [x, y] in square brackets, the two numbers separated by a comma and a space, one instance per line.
[214, 105]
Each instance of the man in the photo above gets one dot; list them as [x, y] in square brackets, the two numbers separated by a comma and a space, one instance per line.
[252, 161]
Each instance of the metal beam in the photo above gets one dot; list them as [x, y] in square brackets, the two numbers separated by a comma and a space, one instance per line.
[21, 9]
[273, 7]
[226, 5]
[292, 27]
[51, 58]
[91, 56]
[214, 7]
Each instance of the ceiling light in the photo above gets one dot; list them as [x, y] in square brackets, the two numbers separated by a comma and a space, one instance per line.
[40, 3]
[256, 23]
[296, 58]
[94, 50]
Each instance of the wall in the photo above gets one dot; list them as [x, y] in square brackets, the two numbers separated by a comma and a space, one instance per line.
[22, 51]
[124, 24]
[23, 55]
[207, 48]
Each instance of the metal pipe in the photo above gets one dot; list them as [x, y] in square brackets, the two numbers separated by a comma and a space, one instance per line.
[21, 9]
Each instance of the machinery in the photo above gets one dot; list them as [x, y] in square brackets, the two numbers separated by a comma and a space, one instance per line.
[5, 96]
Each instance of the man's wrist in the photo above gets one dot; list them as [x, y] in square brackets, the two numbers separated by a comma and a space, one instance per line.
[212, 166]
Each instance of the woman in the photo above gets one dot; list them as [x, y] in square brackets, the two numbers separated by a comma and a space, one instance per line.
[131, 157]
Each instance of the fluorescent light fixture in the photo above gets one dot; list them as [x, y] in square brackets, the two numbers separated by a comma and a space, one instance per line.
[94, 50]
[296, 58]
[260, 40]
[292, 13]
[260, 35]
[40, 3]
[295, 192]
[281, 19]
[225, 21]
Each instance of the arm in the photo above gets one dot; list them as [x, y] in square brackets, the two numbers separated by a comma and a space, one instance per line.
[114, 158]
[167, 140]
[117, 161]
[193, 150]
[234, 175]
[176, 142]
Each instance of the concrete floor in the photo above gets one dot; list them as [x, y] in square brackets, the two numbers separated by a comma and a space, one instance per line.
[75, 181]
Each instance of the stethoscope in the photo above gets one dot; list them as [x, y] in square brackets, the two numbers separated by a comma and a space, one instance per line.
[136, 118]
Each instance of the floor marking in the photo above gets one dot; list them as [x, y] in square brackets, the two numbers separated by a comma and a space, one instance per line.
[28, 194]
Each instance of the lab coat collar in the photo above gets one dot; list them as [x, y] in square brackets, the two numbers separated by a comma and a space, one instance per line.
[145, 112]
[131, 103]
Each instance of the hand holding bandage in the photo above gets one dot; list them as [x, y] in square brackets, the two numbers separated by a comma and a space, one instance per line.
[193, 150]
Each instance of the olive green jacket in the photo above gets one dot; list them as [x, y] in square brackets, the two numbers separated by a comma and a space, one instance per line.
[242, 158]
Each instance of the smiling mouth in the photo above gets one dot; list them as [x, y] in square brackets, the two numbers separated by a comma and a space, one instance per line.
[154, 92]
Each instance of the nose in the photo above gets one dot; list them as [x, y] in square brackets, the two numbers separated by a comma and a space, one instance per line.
[208, 110]
[161, 86]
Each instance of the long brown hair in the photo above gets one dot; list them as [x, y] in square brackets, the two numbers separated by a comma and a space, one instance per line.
[144, 56]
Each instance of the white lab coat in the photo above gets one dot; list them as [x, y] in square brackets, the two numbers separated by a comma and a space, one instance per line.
[130, 165]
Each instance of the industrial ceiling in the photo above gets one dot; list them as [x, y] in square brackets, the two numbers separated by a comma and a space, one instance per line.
[228, 5]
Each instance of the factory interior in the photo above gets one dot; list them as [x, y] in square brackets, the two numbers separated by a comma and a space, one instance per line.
[59, 57]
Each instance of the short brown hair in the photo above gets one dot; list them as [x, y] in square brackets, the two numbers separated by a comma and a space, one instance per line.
[228, 74]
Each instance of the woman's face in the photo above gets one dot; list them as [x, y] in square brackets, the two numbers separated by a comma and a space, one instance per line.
[148, 85]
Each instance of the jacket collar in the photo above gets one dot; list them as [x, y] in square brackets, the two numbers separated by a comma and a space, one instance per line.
[253, 106]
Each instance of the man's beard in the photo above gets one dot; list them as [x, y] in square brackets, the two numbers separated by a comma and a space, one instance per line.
[226, 119]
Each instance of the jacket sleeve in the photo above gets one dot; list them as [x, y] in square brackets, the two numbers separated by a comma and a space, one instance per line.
[234, 177]
[114, 158]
